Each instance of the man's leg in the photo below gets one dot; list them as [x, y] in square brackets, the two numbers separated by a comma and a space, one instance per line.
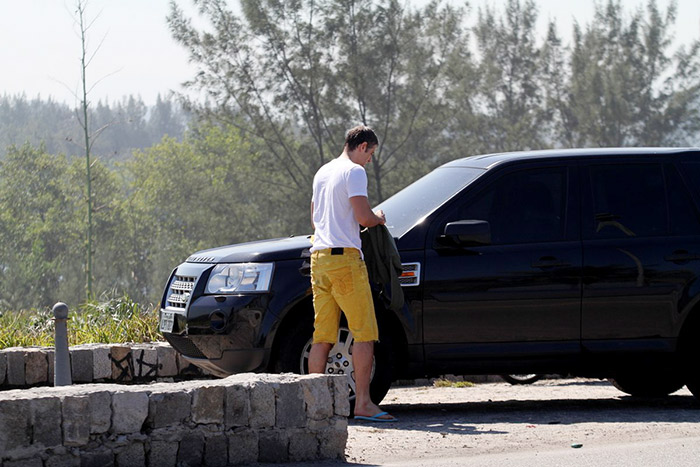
[362, 356]
[356, 301]
[318, 357]
[326, 313]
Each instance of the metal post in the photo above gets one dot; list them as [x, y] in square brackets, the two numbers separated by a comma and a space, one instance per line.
[62, 373]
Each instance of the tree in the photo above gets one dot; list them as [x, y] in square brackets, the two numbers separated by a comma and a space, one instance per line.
[55, 125]
[36, 121]
[626, 87]
[42, 225]
[555, 91]
[85, 125]
[510, 103]
[394, 75]
[296, 75]
[198, 194]
[39, 227]
[167, 118]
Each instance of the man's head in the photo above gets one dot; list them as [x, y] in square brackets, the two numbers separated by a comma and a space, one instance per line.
[360, 144]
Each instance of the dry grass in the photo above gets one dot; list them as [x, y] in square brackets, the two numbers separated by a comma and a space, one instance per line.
[446, 383]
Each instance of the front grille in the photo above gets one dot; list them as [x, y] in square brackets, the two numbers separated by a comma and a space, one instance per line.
[180, 291]
[185, 346]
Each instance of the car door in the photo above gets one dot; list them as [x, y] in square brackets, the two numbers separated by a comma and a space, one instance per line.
[519, 295]
[640, 234]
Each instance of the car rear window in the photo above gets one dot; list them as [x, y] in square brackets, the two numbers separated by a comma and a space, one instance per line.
[684, 215]
[629, 200]
[692, 175]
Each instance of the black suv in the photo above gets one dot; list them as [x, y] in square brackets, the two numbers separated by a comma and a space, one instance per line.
[582, 262]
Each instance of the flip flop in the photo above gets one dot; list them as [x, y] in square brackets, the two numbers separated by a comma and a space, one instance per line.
[376, 418]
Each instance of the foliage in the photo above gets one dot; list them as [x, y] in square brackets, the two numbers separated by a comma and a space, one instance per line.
[125, 125]
[415, 76]
[114, 319]
[380, 64]
[510, 70]
[203, 192]
[43, 220]
[283, 80]
[144, 220]
[39, 234]
[626, 88]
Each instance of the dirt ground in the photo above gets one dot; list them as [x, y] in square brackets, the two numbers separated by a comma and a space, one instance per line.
[444, 423]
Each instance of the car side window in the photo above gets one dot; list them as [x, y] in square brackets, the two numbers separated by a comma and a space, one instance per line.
[521, 207]
[692, 173]
[684, 216]
[629, 200]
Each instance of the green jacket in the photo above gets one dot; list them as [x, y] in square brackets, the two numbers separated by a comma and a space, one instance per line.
[383, 264]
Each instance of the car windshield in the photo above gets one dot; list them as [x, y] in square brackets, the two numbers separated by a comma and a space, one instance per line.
[409, 206]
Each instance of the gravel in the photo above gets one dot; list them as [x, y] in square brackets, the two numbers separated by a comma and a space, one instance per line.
[523, 422]
[496, 423]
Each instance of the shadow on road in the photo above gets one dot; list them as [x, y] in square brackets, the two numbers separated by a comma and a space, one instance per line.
[466, 417]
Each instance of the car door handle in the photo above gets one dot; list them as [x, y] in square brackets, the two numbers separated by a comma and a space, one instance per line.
[681, 256]
[550, 262]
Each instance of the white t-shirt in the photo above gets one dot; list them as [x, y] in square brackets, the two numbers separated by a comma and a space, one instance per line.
[334, 184]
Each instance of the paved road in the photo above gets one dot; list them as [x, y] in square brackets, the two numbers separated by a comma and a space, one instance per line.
[684, 452]
[496, 424]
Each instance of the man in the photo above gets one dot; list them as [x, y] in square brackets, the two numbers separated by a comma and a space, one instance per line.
[338, 273]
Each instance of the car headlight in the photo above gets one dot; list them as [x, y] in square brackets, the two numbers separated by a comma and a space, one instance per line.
[240, 277]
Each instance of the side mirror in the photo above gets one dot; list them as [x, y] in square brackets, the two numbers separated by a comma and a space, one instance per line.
[468, 233]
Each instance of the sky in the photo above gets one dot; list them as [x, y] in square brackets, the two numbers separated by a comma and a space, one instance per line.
[40, 51]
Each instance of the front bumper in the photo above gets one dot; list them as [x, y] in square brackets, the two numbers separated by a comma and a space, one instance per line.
[228, 333]
[219, 361]
[221, 334]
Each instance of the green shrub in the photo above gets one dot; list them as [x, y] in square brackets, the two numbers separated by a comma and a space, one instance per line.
[113, 319]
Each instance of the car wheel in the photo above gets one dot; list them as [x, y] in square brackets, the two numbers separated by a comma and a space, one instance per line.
[295, 346]
[690, 352]
[693, 384]
[522, 379]
[647, 384]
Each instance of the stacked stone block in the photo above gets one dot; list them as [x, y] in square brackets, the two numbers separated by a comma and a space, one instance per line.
[22, 367]
[241, 419]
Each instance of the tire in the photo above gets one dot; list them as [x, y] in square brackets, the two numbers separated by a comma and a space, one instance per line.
[293, 356]
[693, 383]
[690, 352]
[648, 384]
[522, 379]
[291, 346]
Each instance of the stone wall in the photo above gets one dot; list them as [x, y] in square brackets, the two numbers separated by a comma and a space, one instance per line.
[239, 419]
[22, 367]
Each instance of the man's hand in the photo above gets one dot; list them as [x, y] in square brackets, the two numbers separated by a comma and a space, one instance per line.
[379, 213]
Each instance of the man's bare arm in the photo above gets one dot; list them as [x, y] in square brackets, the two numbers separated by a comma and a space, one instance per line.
[363, 212]
[313, 227]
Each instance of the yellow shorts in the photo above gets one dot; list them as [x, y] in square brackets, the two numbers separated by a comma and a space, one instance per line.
[340, 282]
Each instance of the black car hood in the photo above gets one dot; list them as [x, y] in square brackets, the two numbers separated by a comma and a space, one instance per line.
[277, 249]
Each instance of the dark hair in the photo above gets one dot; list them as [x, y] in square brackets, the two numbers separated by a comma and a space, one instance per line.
[360, 134]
